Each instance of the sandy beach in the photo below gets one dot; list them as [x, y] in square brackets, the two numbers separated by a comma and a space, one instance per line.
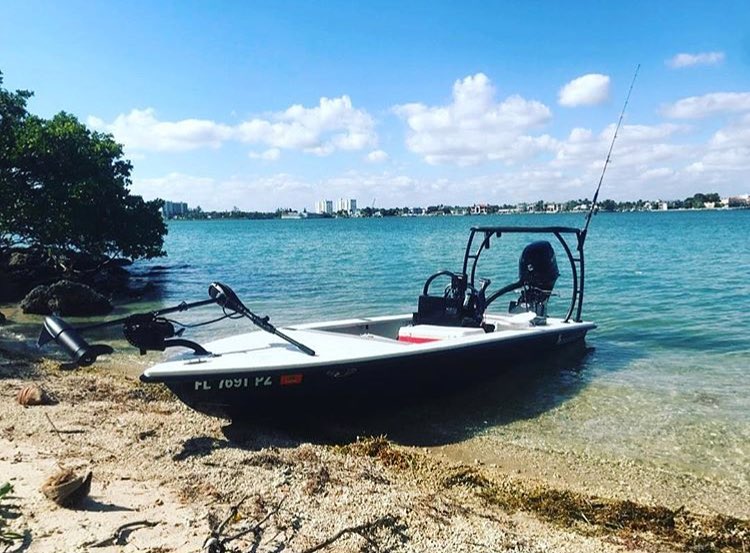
[172, 476]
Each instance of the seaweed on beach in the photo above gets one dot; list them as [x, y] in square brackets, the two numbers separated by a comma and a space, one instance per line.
[378, 447]
[625, 520]
[590, 514]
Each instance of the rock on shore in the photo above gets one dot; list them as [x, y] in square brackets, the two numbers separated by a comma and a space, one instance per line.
[66, 298]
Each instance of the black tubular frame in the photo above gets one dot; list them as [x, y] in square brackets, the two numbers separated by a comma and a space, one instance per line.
[577, 265]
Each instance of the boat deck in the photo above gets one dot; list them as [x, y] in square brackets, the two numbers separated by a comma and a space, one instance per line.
[338, 343]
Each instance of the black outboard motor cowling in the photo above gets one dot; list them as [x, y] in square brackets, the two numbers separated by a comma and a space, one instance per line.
[537, 272]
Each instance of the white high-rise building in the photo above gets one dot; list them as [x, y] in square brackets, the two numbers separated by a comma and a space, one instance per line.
[324, 206]
[347, 205]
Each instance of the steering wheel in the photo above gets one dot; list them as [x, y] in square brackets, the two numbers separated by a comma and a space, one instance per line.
[459, 287]
[454, 278]
[504, 290]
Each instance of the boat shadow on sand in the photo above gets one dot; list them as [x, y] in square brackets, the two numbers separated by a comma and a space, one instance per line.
[443, 416]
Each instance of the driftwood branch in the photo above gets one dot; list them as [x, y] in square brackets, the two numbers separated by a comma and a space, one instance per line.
[362, 530]
[120, 535]
[59, 435]
[215, 543]
[218, 542]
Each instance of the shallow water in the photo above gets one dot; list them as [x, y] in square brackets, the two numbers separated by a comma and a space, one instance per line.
[664, 381]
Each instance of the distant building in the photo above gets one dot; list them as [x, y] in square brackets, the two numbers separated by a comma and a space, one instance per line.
[479, 209]
[347, 206]
[170, 210]
[739, 201]
[552, 208]
[324, 206]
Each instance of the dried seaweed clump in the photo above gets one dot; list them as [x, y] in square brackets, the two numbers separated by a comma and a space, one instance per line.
[380, 448]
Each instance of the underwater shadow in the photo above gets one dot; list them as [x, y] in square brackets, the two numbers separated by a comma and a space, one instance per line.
[437, 417]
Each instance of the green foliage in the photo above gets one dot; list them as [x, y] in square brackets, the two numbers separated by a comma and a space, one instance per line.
[67, 188]
[697, 201]
[608, 205]
[6, 536]
[12, 116]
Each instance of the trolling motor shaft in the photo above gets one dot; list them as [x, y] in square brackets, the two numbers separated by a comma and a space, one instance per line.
[225, 296]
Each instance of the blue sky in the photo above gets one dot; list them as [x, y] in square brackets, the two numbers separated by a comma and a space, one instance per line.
[272, 104]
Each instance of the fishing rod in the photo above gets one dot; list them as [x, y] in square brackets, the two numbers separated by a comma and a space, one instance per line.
[606, 162]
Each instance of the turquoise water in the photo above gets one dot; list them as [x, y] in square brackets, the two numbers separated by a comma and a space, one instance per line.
[665, 381]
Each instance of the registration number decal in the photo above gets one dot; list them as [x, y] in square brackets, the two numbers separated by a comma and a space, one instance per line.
[254, 382]
[233, 383]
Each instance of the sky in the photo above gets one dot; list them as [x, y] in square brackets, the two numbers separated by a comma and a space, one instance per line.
[265, 105]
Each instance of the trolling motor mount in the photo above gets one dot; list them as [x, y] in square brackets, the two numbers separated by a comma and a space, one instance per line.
[148, 332]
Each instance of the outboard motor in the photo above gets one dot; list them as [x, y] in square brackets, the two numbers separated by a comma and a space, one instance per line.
[537, 274]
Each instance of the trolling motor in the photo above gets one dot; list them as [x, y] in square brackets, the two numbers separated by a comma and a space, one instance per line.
[152, 331]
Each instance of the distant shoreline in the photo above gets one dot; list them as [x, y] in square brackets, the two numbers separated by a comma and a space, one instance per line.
[451, 215]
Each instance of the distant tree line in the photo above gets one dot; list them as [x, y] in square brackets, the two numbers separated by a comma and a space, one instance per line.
[697, 201]
[199, 214]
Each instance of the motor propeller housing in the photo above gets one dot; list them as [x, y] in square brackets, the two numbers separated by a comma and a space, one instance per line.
[67, 337]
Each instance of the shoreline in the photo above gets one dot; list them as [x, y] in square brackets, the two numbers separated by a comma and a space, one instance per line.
[423, 215]
[154, 459]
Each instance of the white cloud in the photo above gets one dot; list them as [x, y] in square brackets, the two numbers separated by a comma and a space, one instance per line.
[140, 130]
[688, 60]
[648, 162]
[636, 145]
[665, 160]
[474, 128]
[272, 154]
[588, 90]
[334, 124]
[696, 107]
[736, 134]
[376, 156]
[657, 173]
